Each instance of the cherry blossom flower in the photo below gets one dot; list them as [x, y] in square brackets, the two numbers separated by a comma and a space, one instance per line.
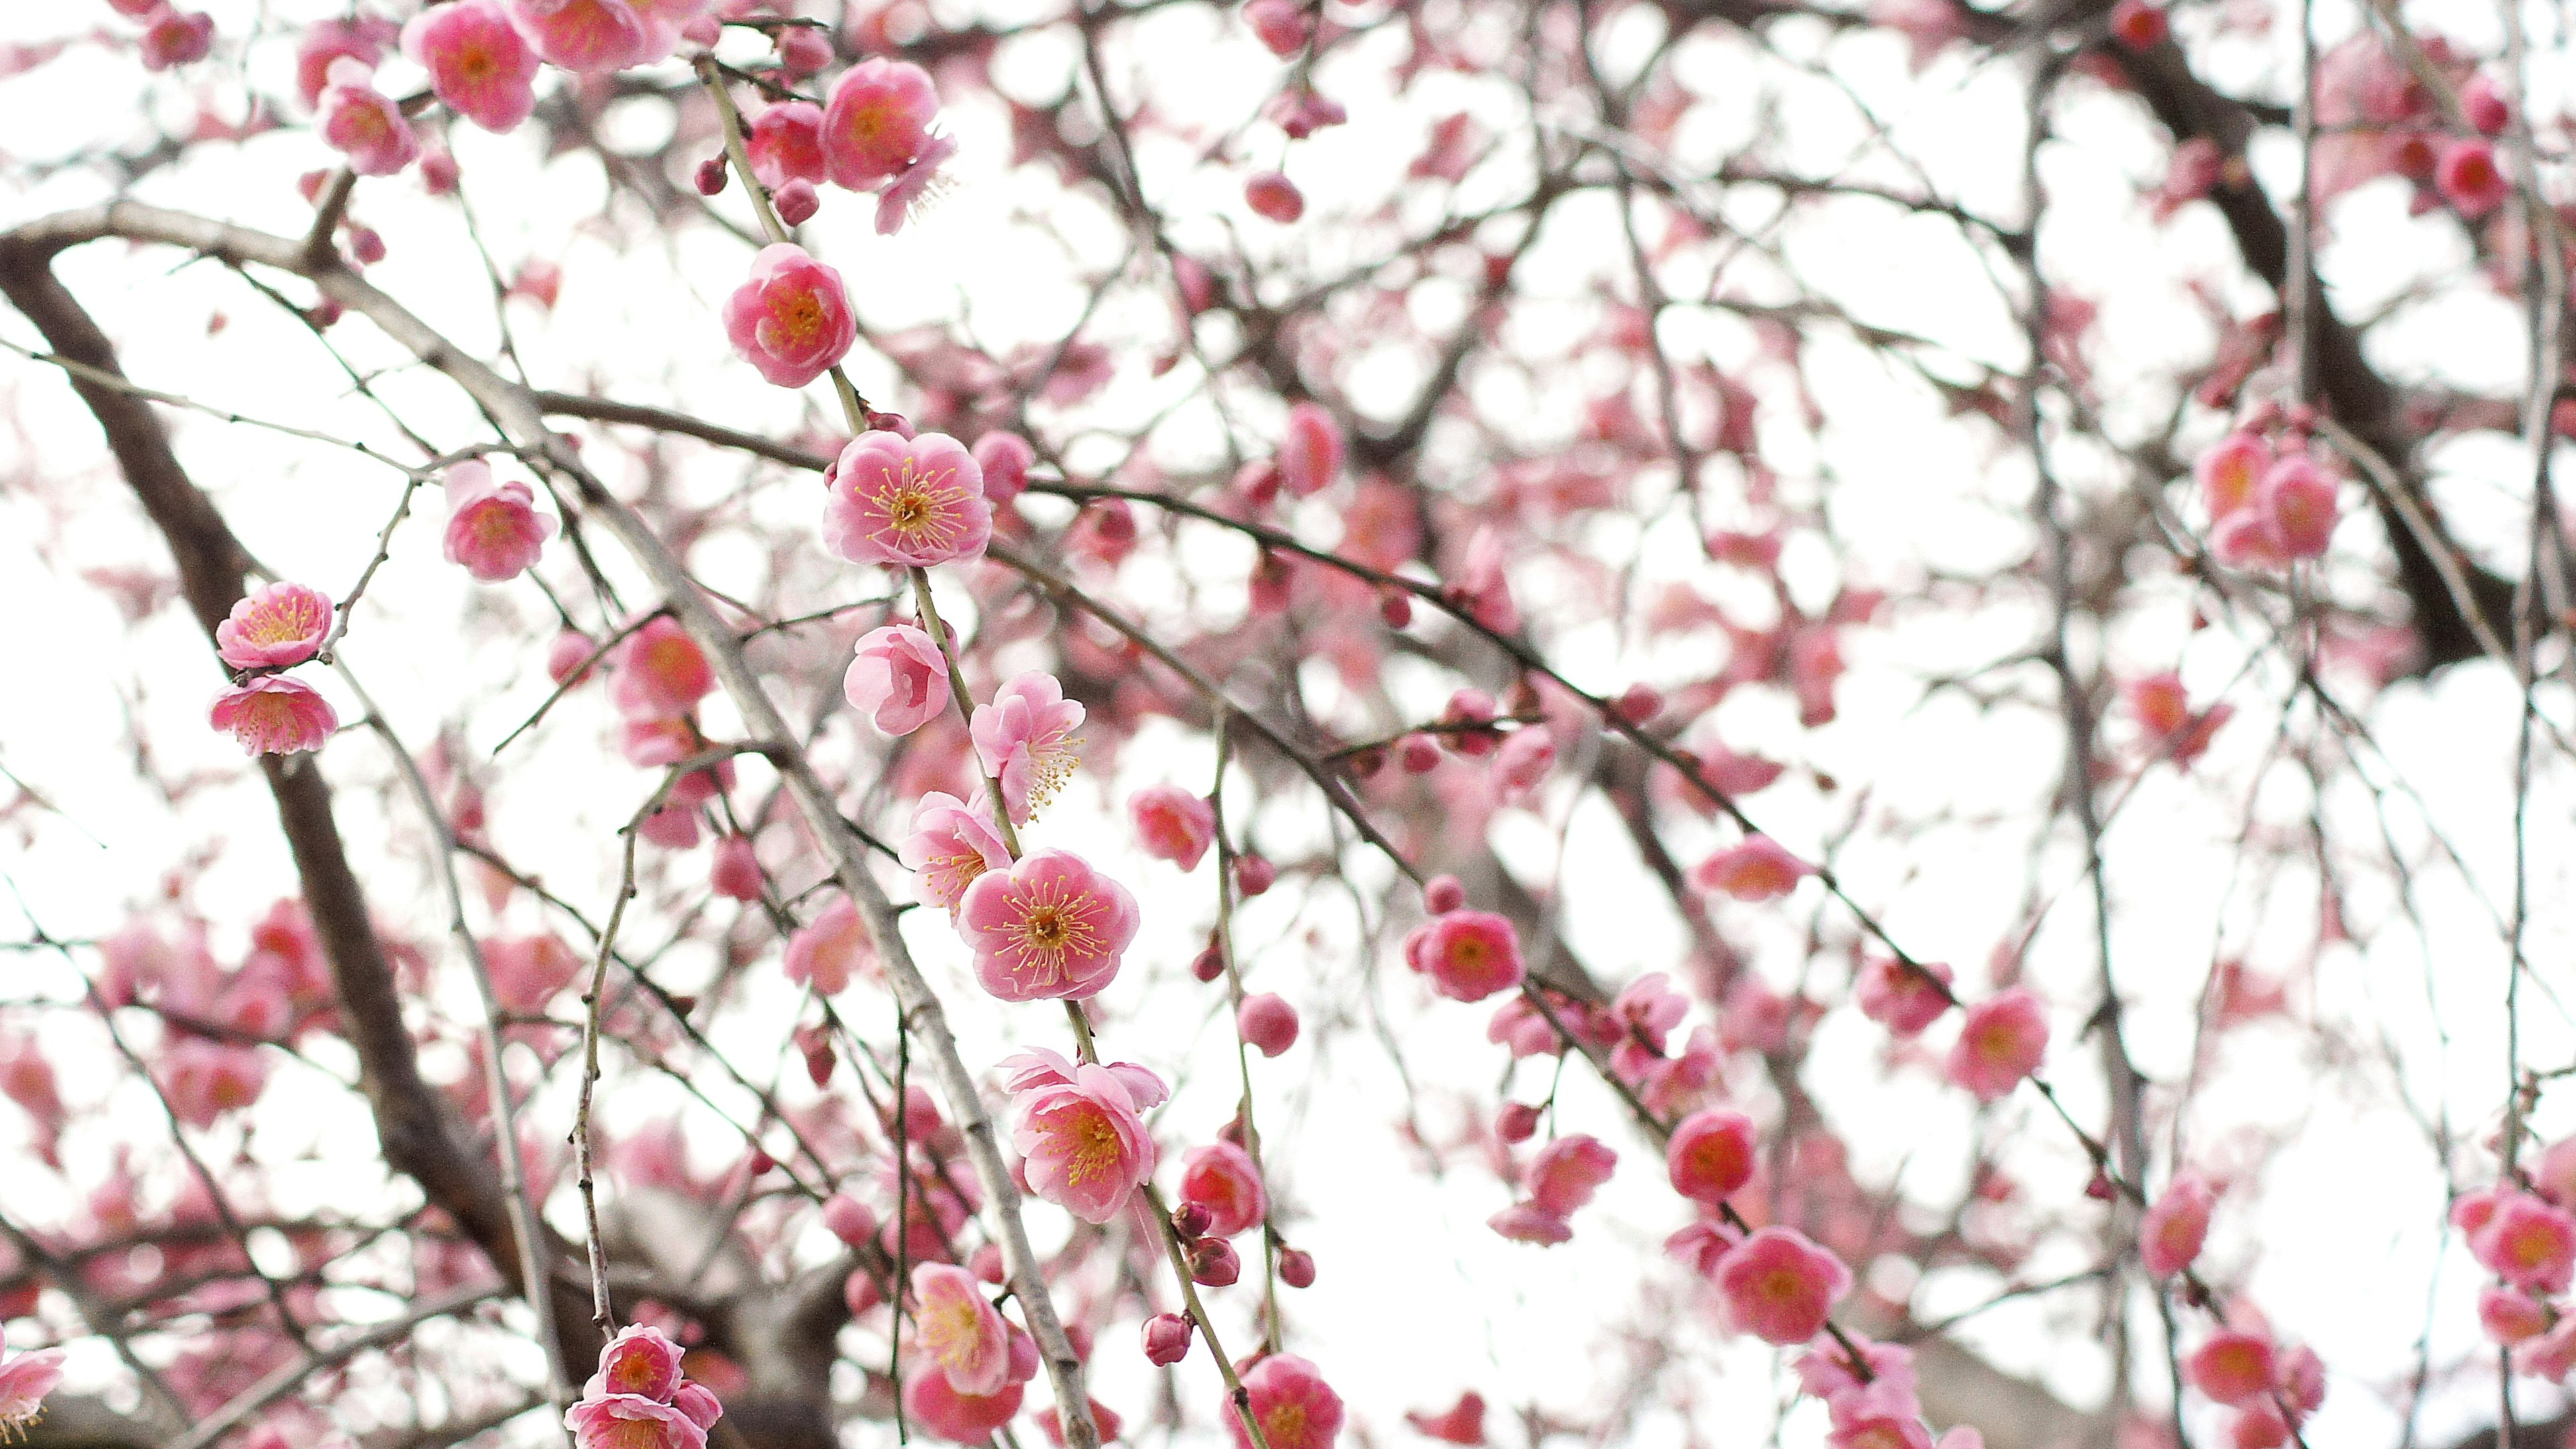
[278, 625]
[1469, 955]
[25, 1379]
[2003, 1040]
[1222, 1178]
[631, 1421]
[1085, 1147]
[478, 63]
[877, 122]
[1291, 1402]
[833, 950]
[1753, 869]
[899, 679]
[935, 1404]
[1172, 824]
[1710, 1156]
[1050, 926]
[1780, 1287]
[176, 38]
[786, 144]
[639, 1360]
[494, 530]
[1025, 739]
[582, 35]
[2171, 1232]
[960, 1330]
[2231, 1366]
[2527, 1242]
[660, 672]
[949, 846]
[271, 714]
[363, 124]
[1567, 1172]
[791, 319]
[906, 501]
[1904, 999]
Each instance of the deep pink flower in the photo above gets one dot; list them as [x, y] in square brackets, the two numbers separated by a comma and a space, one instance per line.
[906, 501]
[1753, 869]
[363, 124]
[792, 318]
[950, 845]
[1902, 998]
[877, 122]
[582, 35]
[477, 62]
[1567, 1172]
[2232, 1367]
[2003, 1040]
[2527, 1242]
[1025, 739]
[935, 1404]
[1469, 955]
[204, 1078]
[1272, 195]
[175, 38]
[1710, 1156]
[1050, 926]
[1221, 1177]
[278, 625]
[1311, 457]
[960, 1330]
[1085, 1147]
[493, 529]
[1780, 1287]
[2171, 1232]
[899, 679]
[274, 715]
[640, 1361]
[786, 144]
[25, 1379]
[660, 672]
[1267, 1023]
[2470, 179]
[1290, 1400]
[1172, 823]
[827, 954]
[631, 1421]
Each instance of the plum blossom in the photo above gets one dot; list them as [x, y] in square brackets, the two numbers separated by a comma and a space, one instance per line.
[899, 679]
[906, 501]
[791, 319]
[1311, 457]
[1049, 926]
[960, 1330]
[835, 948]
[935, 1404]
[877, 121]
[2171, 1232]
[2527, 1242]
[1172, 824]
[1025, 739]
[1267, 1023]
[1780, 1287]
[1904, 999]
[1290, 1400]
[271, 714]
[786, 144]
[1469, 955]
[494, 530]
[1085, 1146]
[637, 1361]
[478, 63]
[660, 673]
[364, 124]
[175, 38]
[1710, 1156]
[639, 1400]
[1222, 1178]
[2003, 1040]
[279, 625]
[25, 1379]
[582, 35]
[950, 845]
[2232, 1367]
[1753, 869]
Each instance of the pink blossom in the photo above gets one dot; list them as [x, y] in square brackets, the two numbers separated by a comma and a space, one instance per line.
[913, 184]
[1567, 1172]
[2470, 179]
[204, 1079]
[477, 62]
[527, 971]
[1272, 195]
[2231, 474]
[582, 35]
[2171, 1232]
[899, 679]
[1222, 1178]
[324, 41]
[935, 1404]
[1025, 739]
[1469, 955]
[735, 871]
[2483, 104]
[2232, 1367]
[1086, 1149]
[827, 954]
[1267, 1023]
[493, 529]
[1710, 1156]
[27, 1079]
[906, 501]
[2527, 1242]
[639, 1361]
[25, 1379]
[1527, 1222]
[2003, 1040]
[2510, 1316]
[271, 714]
[1311, 457]
[363, 124]
[1780, 1287]
[1166, 1339]
[1482, 587]
[1904, 999]
[1005, 459]
[1291, 1402]
[1521, 763]
[959, 1329]
[660, 671]
[877, 122]
[1172, 824]
[791, 319]
[786, 144]
[950, 845]
[1462, 1423]
[279, 625]
[667, 22]
[631, 1421]
[2550, 1355]
[176, 38]
[1753, 869]
[1050, 926]
[1281, 24]
[2299, 502]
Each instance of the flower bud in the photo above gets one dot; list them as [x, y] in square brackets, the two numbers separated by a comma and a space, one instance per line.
[1296, 1267]
[1167, 1338]
[1213, 1263]
[711, 176]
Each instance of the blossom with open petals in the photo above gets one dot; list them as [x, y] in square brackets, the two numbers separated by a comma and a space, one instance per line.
[950, 845]
[478, 63]
[274, 715]
[960, 1330]
[898, 679]
[906, 501]
[363, 124]
[831, 951]
[1085, 1145]
[494, 530]
[1290, 1400]
[877, 122]
[1050, 926]
[1222, 1178]
[25, 1379]
[1780, 1287]
[279, 625]
[1172, 823]
[1469, 955]
[1025, 739]
[791, 318]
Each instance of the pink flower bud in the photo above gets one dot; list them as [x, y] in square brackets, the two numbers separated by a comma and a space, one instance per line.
[1254, 874]
[1418, 754]
[797, 201]
[1167, 1339]
[1268, 1023]
[1516, 1122]
[803, 50]
[849, 1219]
[1296, 1267]
[1274, 196]
[1005, 459]
[1213, 1263]
[1443, 894]
[567, 655]
[1281, 24]
[711, 176]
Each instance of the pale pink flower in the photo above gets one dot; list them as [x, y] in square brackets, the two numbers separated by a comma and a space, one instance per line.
[1521, 764]
[527, 971]
[1085, 1147]
[1311, 456]
[2550, 1355]
[786, 144]
[667, 22]
[827, 954]
[204, 1078]
[1038, 1067]
[950, 845]
[1005, 459]
[2230, 474]
[906, 501]
[1221, 1177]
[899, 679]
[960, 1330]
[25, 1379]
[1527, 1222]
[631, 1421]
[2171, 1232]
[1172, 824]
[660, 672]
[493, 528]
[582, 35]
[1567, 1172]
[640, 1361]
[877, 122]
[477, 62]
[1290, 1400]
[2510, 1316]
[792, 318]
[324, 41]
[2299, 501]
[2232, 1367]
[1904, 999]
[1482, 588]
[735, 871]
[1050, 926]
[2003, 1040]
[363, 124]
[908, 189]
[1025, 739]
[27, 1079]
[1753, 869]
[279, 625]
[1469, 955]
[1710, 1156]
[935, 1404]
[271, 714]
[1780, 1287]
